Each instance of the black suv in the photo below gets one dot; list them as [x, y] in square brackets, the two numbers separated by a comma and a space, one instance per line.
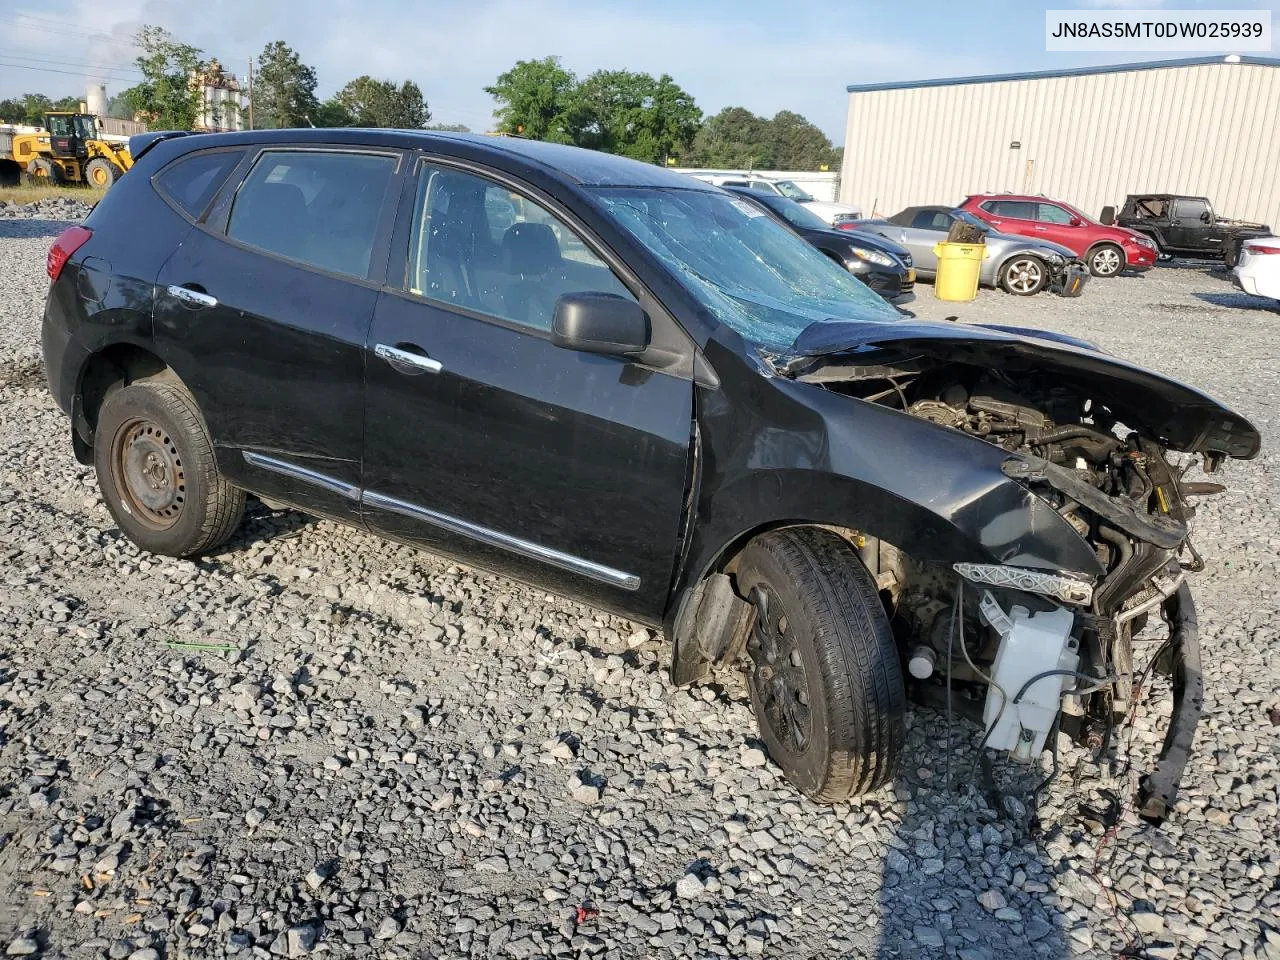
[1186, 226]
[621, 384]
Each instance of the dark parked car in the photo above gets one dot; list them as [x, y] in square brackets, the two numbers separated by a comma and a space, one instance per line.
[881, 264]
[620, 384]
[1186, 226]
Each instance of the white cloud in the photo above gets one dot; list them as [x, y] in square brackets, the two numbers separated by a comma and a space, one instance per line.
[452, 50]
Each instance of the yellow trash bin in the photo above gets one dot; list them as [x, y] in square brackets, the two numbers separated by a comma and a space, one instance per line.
[958, 268]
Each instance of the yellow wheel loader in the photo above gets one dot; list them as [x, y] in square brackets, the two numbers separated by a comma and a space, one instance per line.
[68, 150]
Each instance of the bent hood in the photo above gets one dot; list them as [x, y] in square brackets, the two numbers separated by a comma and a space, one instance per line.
[1180, 416]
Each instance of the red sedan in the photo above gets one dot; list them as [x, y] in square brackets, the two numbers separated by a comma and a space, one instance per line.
[1106, 250]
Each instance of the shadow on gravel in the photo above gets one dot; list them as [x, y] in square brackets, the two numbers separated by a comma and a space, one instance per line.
[22, 374]
[1240, 301]
[964, 877]
[34, 227]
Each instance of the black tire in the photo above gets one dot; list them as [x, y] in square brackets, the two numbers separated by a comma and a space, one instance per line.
[101, 172]
[157, 472]
[1024, 275]
[1106, 260]
[1231, 254]
[826, 683]
[42, 170]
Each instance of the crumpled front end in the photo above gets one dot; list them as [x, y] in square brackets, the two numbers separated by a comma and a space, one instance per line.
[1040, 651]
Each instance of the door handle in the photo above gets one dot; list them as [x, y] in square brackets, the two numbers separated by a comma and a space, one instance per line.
[1041, 229]
[402, 359]
[193, 297]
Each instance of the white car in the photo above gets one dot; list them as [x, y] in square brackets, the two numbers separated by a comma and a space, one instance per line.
[832, 213]
[1258, 270]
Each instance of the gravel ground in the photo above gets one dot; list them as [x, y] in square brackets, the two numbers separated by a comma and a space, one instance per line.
[316, 742]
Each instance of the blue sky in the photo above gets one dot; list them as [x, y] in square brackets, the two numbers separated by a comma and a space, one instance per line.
[766, 56]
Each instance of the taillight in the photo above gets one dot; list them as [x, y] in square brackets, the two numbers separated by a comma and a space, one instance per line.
[69, 241]
[1255, 248]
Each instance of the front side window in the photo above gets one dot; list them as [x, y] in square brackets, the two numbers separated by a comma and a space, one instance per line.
[792, 192]
[478, 245]
[60, 126]
[1052, 213]
[1190, 210]
[745, 268]
[316, 207]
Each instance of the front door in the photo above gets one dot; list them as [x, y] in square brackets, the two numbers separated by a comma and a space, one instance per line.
[486, 441]
[265, 310]
[1192, 229]
[1054, 224]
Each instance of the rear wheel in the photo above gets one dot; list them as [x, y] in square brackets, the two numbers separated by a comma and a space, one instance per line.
[1023, 276]
[100, 172]
[157, 472]
[43, 170]
[826, 684]
[1106, 260]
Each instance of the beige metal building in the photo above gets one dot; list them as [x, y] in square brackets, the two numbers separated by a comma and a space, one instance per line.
[1206, 126]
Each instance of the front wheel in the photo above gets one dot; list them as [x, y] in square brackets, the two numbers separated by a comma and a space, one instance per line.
[101, 172]
[1106, 261]
[1024, 276]
[826, 684]
[157, 473]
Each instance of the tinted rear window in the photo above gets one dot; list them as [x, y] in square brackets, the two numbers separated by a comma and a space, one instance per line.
[319, 208]
[192, 181]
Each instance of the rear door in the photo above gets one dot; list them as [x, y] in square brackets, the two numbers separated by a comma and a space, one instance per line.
[486, 441]
[928, 227]
[1012, 216]
[265, 309]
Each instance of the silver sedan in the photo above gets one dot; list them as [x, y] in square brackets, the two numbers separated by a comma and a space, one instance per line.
[1019, 265]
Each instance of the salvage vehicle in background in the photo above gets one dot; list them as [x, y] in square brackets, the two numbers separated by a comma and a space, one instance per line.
[707, 425]
[1257, 270]
[828, 210]
[69, 149]
[1106, 250]
[1017, 265]
[884, 266]
[1183, 226]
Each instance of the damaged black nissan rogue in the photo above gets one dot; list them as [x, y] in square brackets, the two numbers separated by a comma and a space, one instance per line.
[623, 385]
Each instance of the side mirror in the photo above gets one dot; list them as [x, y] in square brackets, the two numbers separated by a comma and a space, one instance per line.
[1108, 216]
[1207, 217]
[600, 323]
[1076, 222]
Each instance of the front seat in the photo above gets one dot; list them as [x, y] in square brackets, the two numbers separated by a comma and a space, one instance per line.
[531, 259]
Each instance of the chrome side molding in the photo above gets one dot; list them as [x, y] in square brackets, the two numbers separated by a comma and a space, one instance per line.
[495, 538]
[465, 528]
[314, 477]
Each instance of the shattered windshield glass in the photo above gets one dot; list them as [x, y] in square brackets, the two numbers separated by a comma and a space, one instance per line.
[751, 272]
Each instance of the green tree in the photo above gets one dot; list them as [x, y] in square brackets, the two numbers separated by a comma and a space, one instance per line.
[632, 114]
[13, 110]
[533, 98]
[736, 138]
[798, 144]
[284, 90]
[331, 113]
[380, 103]
[167, 97]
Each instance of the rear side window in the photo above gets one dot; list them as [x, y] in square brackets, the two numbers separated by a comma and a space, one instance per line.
[192, 181]
[1017, 209]
[931, 220]
[313, 206]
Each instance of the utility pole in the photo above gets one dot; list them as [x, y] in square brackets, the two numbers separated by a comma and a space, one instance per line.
[251, 93]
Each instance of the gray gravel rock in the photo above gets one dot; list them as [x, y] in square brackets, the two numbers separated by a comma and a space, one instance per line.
[318, 743]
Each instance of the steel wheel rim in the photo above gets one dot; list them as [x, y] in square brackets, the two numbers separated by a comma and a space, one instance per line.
[778, 677]
[98, 175]
[149, 473]
[1106, 262]
[1025, 275]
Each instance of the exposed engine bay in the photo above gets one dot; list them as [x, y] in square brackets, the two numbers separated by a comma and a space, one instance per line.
[1041, 651]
